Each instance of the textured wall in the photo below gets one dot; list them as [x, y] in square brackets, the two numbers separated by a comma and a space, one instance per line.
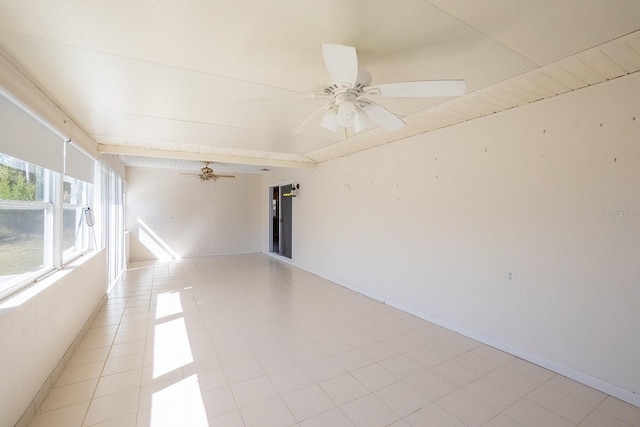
[549, 192]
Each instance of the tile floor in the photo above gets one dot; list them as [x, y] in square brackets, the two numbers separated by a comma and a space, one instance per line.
[250, 341]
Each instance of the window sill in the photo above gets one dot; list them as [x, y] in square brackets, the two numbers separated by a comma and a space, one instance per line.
[31, 290]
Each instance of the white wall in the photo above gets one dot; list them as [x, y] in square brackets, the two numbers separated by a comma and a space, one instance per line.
[550, 191]
[39, 324]
[193, 218]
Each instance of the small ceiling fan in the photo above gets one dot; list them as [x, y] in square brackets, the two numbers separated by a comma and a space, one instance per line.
[206, 174]
[349, 109]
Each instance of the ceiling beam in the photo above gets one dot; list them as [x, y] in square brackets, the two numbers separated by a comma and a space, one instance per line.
[203, 157]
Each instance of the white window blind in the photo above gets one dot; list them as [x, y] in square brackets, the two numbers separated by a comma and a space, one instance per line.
[22, 136]
[78, 165]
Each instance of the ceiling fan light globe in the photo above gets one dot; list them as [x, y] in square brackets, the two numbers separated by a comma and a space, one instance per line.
[347, 114]
[363, 122]
[329, 121]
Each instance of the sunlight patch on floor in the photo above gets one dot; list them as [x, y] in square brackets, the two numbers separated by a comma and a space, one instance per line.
[171, 349]
[179, 404]
[167, 304]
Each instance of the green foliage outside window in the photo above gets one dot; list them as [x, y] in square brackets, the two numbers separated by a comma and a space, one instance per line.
[14, 184]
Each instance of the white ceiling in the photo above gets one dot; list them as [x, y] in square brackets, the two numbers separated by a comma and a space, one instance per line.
[167, 83]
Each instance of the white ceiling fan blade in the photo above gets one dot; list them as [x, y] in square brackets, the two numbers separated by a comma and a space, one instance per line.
[382, 117]
[419, 89]
[280, 98]
[312, 116]
[341, 62]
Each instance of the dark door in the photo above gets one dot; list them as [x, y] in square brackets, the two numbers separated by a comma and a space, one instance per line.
[286, 217]
[275, 220]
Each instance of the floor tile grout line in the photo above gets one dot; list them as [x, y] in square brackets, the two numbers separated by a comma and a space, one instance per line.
[100, 376]
[73, 348]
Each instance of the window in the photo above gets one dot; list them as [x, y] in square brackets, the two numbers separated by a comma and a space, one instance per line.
[46, 188]
[110, 220]
[26, 221]
[42, 221]
[76, 238]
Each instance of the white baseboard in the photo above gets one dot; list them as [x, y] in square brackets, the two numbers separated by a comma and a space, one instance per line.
[596, 383]
[581, 377]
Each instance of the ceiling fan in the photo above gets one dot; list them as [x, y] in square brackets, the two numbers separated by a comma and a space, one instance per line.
[348, 108]
[206, 174]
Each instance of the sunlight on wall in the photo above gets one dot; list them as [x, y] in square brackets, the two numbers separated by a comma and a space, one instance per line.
[171, 349]
[154, 243]
[179, 404]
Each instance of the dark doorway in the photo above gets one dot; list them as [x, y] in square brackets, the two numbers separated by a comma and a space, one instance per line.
[281, 220]
[285, 220]
[275, 219]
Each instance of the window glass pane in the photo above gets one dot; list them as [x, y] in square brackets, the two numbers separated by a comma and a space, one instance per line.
[21, 243]
[22, 181]
[69, 190]
[72, 228]
[75, 192]
[75, 231]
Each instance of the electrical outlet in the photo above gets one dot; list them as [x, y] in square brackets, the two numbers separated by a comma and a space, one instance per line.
[511, 276]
